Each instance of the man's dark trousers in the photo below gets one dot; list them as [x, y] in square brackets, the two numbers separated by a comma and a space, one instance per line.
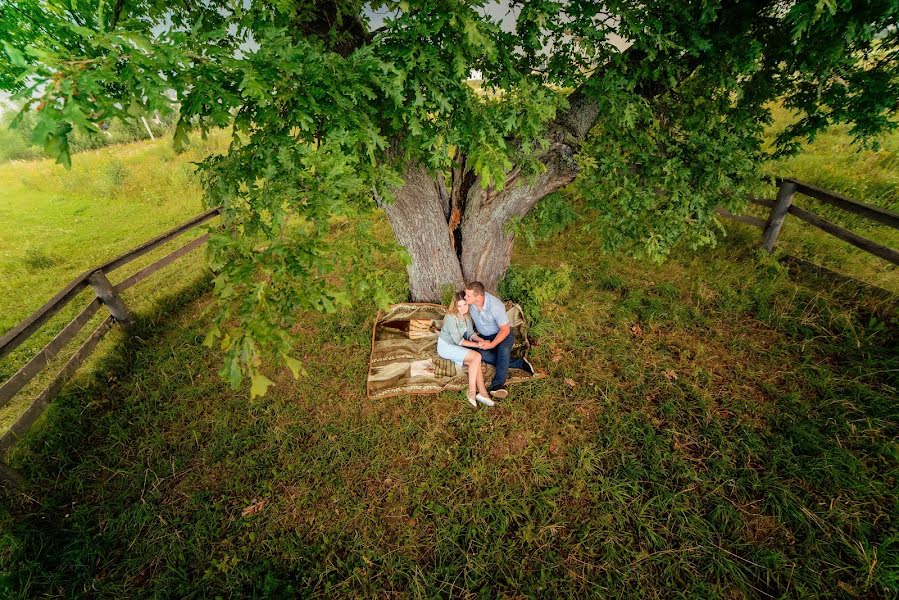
[500, 357]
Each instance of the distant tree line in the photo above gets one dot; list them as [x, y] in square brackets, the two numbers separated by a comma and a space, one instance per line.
[16, 141]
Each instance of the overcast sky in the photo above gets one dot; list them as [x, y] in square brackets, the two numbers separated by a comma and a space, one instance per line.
[497, 10]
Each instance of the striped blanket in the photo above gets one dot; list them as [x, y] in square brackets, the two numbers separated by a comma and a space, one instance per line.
[404, 352]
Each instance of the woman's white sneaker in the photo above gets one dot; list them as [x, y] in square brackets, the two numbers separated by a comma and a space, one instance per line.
[485, 400]
[471, 401]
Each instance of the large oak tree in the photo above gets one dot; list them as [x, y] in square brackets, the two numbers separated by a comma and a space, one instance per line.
[656, 108]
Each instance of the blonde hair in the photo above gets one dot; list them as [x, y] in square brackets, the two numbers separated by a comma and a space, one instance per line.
[452, 309]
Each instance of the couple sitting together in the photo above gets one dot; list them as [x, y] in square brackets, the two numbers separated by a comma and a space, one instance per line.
[489, 340]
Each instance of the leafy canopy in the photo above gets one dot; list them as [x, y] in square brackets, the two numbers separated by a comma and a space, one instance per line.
[326, 109]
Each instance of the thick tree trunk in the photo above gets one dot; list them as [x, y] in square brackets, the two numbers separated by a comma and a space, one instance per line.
[486, 245]
[458, 235]
[419, 221]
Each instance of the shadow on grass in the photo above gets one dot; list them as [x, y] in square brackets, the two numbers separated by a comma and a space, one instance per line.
[75, 442]
[741, 445]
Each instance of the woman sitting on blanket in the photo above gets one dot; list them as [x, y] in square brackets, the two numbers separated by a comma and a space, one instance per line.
[456, 336]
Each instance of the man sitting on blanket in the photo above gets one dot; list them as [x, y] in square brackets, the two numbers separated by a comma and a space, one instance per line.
[492, 324]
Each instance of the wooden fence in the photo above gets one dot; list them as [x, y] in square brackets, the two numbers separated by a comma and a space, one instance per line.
[109, 295]
[783, 205]
[104, 294]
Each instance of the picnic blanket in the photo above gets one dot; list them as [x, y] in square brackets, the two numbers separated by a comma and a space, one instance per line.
[404, 352]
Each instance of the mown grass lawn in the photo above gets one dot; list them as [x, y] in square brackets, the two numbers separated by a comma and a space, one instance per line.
[739, 443]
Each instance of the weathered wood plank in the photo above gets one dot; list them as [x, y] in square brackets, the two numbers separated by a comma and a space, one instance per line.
[881, 215]
[21, 332]
[749, 220]
[39, 404]
[157, 241]
[15, 383]
[847, 236]
[776, 220]
[162, 262]
[111, 299]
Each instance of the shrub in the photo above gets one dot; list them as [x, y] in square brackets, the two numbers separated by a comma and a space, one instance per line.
[533, 287]
[116, 173]
[447, 291]
[14, 145]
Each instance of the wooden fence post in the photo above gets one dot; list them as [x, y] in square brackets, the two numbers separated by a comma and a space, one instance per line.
[105, 292]
[781, 205]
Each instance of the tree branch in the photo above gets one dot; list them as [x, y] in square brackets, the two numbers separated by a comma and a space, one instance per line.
[342, 32]
[581, 116]
[116, 13]
[583, 111]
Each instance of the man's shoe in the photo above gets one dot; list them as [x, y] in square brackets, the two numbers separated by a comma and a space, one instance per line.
[485, 400]
[499, 392]
[528, 367]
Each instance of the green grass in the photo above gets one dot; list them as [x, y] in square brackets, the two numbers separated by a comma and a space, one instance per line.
[741, 443]
[835, 163]
[56, 224]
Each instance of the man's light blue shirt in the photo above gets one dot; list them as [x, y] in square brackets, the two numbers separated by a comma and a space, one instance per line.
[488, 320]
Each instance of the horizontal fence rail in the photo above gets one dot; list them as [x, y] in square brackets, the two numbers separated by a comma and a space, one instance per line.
[875, 213]
[105, 294]
[749, 220]
[11, 340]
[37, 407]
[42, 358]
[856, 240]
[783, 206]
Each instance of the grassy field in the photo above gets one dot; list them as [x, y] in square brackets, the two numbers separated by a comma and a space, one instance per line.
[834, 163]
[741, 443]
[58, 223]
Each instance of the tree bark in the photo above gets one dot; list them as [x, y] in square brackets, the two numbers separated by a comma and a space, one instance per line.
[486, 244]
[419, 221]
[459, 235]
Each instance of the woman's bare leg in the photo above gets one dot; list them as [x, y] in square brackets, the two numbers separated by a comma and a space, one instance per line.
[473, 360]
[482, 388]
